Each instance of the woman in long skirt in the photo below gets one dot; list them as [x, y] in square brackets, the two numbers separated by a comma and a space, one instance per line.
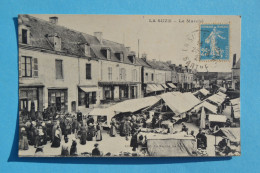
[57, 138]
[99, 132]
[83, 136]
[24, 145]
[113, 128]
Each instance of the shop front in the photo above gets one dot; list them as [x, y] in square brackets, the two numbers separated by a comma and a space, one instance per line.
[87, 96]
[58, 98]
[31, 97]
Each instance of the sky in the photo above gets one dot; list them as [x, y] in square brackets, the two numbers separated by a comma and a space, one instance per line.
[164, 38]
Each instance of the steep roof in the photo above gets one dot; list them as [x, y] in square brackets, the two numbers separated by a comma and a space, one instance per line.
[71, 40]
[237, 65]
[159, 65]
[41, 29]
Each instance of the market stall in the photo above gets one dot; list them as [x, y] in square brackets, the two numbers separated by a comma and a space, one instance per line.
[170, 144]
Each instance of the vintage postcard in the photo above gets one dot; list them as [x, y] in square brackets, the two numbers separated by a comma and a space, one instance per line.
[129, 85]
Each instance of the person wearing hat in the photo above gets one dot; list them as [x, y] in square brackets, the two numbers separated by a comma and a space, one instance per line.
[90, 132]
[96, 151]
[23, 145]
[113, 128]
[57, 138]
[201, 140]
[73, 148]
[83, 134]
[133, 142]
[39, 151]
[127, 128]
[65, 147]
[98, 132]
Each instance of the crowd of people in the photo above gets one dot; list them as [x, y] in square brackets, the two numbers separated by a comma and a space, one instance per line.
[37, 130]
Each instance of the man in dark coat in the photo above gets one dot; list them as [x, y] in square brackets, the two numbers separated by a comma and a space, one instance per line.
[201, 140]
[96, 151]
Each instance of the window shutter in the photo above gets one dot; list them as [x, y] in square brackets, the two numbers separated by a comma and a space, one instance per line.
[20, 68]
[35, 67]
[20, 35]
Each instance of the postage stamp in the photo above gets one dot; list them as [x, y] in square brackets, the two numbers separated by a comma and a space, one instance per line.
[214, 42]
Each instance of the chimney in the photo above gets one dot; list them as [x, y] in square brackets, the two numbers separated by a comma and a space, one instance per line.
[144, 55]
[99, 36]
[53, 20]
[128, 49]
[234, 60]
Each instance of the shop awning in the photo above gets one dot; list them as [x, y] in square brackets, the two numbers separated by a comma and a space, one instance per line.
[171, 85]
[164, 86]
[217, 118]
[89, 88]
[159, 87]
[21, 85]
[151, 88]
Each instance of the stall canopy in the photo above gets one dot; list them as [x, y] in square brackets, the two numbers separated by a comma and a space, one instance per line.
[224, 90]
[233, 134]
[204, 91]
[171, 85]
[134, 105]
[179, 102]
[212, 108]
[221, 94]
[217, 118]
[216, 99]
[109, 113]
[158, 145]
[235, 101]
[236, 107]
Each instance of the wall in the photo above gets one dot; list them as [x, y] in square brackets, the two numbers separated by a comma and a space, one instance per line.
[71, 77]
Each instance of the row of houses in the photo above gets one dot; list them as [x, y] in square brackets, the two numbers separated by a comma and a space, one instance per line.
[72, 71]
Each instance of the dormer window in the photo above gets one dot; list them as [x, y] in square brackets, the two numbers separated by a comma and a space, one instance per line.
[131, 59]
[120, 56]
[87, 50]
[57, 43]
[24, 34]
[106, 52]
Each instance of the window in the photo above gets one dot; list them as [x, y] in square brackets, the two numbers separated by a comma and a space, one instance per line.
[134, 75]
[26, 66]
[88, 71]
[59, 69]
[132, 58]
[108, 54]
[146, 76]
[87, 50]
[122, 74]
[109, 73]
[24, 36]
[152, 77]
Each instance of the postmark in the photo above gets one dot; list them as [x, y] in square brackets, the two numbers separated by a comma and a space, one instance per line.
[214, 42]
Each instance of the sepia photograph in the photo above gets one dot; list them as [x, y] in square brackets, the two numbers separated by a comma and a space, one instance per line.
[129, 85]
